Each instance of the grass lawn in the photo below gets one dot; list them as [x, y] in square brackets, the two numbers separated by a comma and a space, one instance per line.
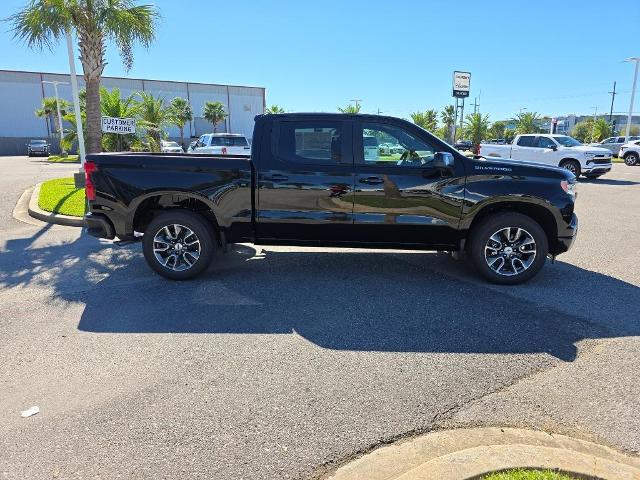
[67, 159]
[60, 195]
[521, 474]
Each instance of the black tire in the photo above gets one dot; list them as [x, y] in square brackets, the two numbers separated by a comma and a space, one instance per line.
[631, 159]
[186, 220]
[480, 237]
[572, 165]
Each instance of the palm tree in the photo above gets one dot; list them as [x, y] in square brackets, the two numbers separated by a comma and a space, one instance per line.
[497, 129]
[274, 109]
[601, 130]
[214, 113]
[182, 114]
[350, 108]
[526, 122]
[427, 120]
[70, 134]
[42, 23]
[49, 110]
[113, 105]
[475, 128]
[448, 118]
[154, 117]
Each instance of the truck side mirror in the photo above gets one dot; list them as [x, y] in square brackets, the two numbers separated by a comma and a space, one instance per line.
[443, 160]
[554, 148]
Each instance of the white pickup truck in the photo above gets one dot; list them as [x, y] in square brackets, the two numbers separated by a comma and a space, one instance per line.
[557, 150]
[221, 144]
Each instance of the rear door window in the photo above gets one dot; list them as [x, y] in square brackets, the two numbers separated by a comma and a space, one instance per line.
[526, 141]
[313, 142]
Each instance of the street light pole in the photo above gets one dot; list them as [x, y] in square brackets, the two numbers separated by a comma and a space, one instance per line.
[76, 100]
[55, 84]
[633, 95]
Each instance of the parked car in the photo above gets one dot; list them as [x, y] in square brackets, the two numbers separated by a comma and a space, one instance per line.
[384, 149]
[310, 181]
[38, 147]
[463, 145]
[222, 144]
[631, 153]
[395, 148]
[613, 144]
[171, 147]
[555, 150]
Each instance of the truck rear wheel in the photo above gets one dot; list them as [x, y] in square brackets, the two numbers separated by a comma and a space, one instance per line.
[179, 245]
[631, 159]
[508, 248]
[572, 165]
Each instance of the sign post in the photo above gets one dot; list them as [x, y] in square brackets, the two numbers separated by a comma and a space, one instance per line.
[461, 88]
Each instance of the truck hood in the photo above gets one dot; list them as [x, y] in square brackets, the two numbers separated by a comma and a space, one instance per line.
[587, 149]
[495, 165]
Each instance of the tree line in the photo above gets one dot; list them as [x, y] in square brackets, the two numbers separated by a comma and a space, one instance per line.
[152, 113]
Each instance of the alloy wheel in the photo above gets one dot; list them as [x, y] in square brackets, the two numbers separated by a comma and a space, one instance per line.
[510, 251]
[631, 159]
[176, 247]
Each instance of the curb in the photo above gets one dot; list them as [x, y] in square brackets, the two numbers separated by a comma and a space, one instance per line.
[466, 454]
[36, 212]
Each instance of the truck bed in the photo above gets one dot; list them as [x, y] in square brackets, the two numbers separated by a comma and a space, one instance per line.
[125, 181]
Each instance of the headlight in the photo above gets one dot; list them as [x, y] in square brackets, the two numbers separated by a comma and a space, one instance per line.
[568, 187]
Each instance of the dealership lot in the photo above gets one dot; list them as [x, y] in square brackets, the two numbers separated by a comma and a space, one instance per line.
[282, 362]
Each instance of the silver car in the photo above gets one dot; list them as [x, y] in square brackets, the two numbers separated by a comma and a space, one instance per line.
[613, 144]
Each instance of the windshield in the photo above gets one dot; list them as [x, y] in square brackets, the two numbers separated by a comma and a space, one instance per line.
[38, 142]
[171, 144]
[566, 141]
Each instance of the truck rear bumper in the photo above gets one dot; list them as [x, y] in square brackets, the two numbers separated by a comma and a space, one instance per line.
[99, 226]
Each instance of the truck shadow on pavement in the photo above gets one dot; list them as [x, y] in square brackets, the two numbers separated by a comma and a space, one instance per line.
[360, 301]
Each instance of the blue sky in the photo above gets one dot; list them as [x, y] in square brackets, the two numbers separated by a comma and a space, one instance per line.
[553, 57]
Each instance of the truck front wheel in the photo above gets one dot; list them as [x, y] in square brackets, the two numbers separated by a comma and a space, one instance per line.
[508, 248]
[179, 245]
[571, 165]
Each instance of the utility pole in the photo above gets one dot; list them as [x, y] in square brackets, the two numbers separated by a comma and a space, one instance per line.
[55, 84]
[633, 95]
[76, 108]
[593, 127]
[475, 105]
[379, 111]
[613, 96]
[357, 101]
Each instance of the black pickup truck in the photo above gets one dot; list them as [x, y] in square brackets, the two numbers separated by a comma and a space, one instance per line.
[327, 180]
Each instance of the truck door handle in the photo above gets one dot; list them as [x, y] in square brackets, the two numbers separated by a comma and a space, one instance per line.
[276, 177]
[372, 180]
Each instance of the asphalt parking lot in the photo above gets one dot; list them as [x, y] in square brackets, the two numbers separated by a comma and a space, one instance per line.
[284, 362]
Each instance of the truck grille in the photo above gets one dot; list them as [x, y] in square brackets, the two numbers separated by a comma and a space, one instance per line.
[601, 160]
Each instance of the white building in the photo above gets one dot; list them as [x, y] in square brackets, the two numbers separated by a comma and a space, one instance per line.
[21, 93]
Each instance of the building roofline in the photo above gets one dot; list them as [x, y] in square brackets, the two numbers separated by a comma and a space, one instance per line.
[138, 79]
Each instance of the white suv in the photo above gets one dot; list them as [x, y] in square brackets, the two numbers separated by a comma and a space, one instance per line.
[631, 153]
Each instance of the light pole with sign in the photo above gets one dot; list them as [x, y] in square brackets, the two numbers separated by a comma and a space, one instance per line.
[461, 89]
